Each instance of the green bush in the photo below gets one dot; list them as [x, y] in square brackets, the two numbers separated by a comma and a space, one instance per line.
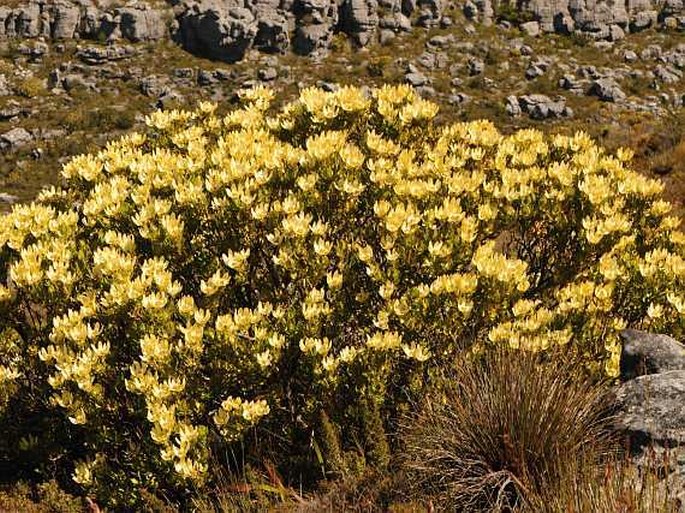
[30, 87]
[217, 281]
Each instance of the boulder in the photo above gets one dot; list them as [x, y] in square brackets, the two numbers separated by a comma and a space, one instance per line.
[359, 19]
[534, 71]
[13, 110]
[267, 74]
[415, 79]
[648, 353]
[215, 29]
[667, 74]
[607, 90]
[8, 199]
[65, 20]
[475, 66]
[273, 32]
[512, 106]
[643, 20]
[5, 89]
[142, 23]
[597, 15]
[101, 55]
[531, 28]
[651, 409]
[27, 21]
[14, 139]
[630, 56]
[312, 39]
[540, 106]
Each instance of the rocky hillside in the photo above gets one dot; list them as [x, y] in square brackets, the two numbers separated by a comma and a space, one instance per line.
[226, 29]
[75, 73]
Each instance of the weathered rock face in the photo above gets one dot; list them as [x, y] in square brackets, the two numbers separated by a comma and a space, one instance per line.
[217, 29]
[645, 353]
[650, 403]
[599, 19]
[538, 106]
[15, 138]
[652, 409]
[227, 29]
[69, 19]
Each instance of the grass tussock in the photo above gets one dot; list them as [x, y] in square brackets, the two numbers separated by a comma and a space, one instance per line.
[617, 486]
[502, 430]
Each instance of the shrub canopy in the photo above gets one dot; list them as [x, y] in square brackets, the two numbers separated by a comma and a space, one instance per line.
[267, 266]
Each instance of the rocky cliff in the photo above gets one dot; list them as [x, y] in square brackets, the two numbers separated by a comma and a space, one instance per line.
[226, 29]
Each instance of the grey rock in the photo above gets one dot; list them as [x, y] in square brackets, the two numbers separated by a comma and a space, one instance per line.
[571, 83]
[184, 73]
[13, 110]
[459, 99]
[415, 79]
[312, 39]
[531, 28]
[100, 55]
[425, 91]
[470, 10]
[65, 20]
[397, 21]
[475, 66]
[430, 60]
[671, 23]
[651, 52]
[441, 41]
[616, 33]
[27, 20]
[385, 36]
[675, 58]
[8, 199]
[667, 74]
[588, 72]
[651, 409]
[648, 353]
[630, 56]
[142, 23]
[512, 106]
[430, 13]
[360, 19]
[206, 78]
[327, 86]
[273, 32]
[216, 29]
[267, 74]
[14, 139]
[643, 20]
[223, 75]
[539, 106]
[167, 98]
[75, 81]
[606, 89]
[533, 72]
[563, 23]
[152, 86]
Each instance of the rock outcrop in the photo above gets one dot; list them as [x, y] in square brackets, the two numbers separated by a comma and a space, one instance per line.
[650, 401]
[598, 19]
[72, 19]
[228, 29]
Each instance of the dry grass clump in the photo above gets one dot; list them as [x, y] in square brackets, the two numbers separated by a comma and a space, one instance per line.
[617, 486]
[503, 429]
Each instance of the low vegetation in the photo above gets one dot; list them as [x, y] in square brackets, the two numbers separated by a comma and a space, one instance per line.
[274, 289]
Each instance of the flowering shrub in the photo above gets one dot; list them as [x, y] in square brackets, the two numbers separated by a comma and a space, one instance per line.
[219, 272]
